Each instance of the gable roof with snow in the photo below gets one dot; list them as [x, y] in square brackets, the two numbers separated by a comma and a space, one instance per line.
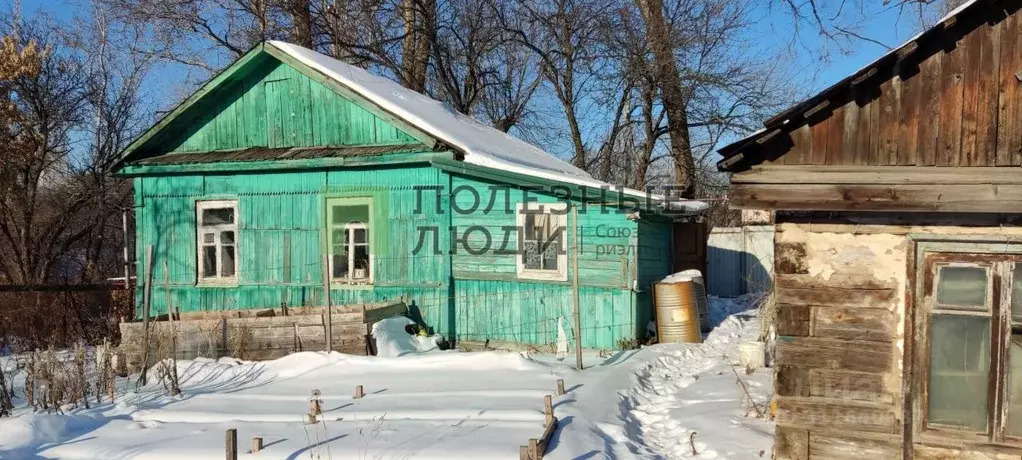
[413, 115]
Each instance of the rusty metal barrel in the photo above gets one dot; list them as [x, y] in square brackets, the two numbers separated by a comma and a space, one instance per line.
[677, 311]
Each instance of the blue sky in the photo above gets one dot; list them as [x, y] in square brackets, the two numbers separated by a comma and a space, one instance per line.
[887, 25]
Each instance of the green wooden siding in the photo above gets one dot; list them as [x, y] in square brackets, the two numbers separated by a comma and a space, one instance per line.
[655, 263]
[280, 230]
[273, 105]
[494, 304]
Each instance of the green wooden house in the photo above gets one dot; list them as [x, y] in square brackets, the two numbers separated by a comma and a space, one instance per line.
[288, 154]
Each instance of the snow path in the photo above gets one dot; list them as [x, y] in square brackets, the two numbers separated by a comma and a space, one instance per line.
[693, 389]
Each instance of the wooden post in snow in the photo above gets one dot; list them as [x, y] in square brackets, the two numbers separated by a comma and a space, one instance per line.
[326, 297]
[146, 299]
[359, 393]
[232, 444]
[576, 314]
[548, 409]
[127, 266]
[560, 387]
[257, 445]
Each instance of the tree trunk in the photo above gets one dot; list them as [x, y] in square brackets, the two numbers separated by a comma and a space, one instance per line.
[420, 28]
[672, 93]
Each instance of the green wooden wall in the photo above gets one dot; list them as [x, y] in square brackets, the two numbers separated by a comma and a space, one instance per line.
[280, 231]
[494, 304]
[270, 104]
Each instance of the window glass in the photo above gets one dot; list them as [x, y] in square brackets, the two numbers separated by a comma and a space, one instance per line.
[209, 261]
[962, 287]
[227, 261]
[531, 255]
[208, 238]
[959, 371]
[217, 216]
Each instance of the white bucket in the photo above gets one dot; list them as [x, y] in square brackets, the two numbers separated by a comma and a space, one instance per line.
[752, 355]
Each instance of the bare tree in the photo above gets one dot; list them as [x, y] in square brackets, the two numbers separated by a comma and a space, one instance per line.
[564, 36]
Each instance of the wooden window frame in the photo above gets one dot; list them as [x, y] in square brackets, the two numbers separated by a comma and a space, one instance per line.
[556, 211]
[219, 279]
[369, 227]
[1000, 260]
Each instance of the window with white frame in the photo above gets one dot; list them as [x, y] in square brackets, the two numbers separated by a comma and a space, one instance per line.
[350, 240]
[542, 241]
[217, 241]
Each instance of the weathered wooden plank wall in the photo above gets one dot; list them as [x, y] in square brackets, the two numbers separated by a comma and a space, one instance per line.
[951, 102]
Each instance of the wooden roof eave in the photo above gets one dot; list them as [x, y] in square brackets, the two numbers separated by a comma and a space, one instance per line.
[424, 157]
[738, 152]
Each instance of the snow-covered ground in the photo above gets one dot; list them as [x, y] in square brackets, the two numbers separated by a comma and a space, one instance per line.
[664, 401]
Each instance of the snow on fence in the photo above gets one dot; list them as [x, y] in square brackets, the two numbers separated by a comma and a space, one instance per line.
[739, 260]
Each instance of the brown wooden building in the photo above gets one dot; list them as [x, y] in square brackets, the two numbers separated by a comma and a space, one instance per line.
[897, 197]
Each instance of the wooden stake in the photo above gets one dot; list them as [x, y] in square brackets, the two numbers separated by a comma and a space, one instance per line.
[326, 298]
[534, 449]
[257, 444]
[310, 419]
[358, 392]
[548, 409]
[560, 387]
[146, 299]
[232, 444]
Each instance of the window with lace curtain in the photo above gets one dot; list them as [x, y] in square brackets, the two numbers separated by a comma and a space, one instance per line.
[543, 242]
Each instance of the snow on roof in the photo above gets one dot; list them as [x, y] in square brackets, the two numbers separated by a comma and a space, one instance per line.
[481, 145]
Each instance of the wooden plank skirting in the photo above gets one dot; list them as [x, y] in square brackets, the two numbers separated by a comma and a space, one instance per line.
[219, 334]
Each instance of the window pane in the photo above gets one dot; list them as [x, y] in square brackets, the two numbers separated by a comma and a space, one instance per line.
[227, 238]
[361, 269]
[208, 238]
[530, 227]
[340, 265]
[531, 257]
[209, 261]
[338, 237]
[227, 261]
[343, 214]
[962, 286]
[1014, 425]
[551, 248]
[1016, 294]
[959, 367]
[218, 216]
[360, 236]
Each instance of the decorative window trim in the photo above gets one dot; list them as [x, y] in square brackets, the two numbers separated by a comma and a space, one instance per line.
[350, 227]
[557, 212]
[200, 229]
